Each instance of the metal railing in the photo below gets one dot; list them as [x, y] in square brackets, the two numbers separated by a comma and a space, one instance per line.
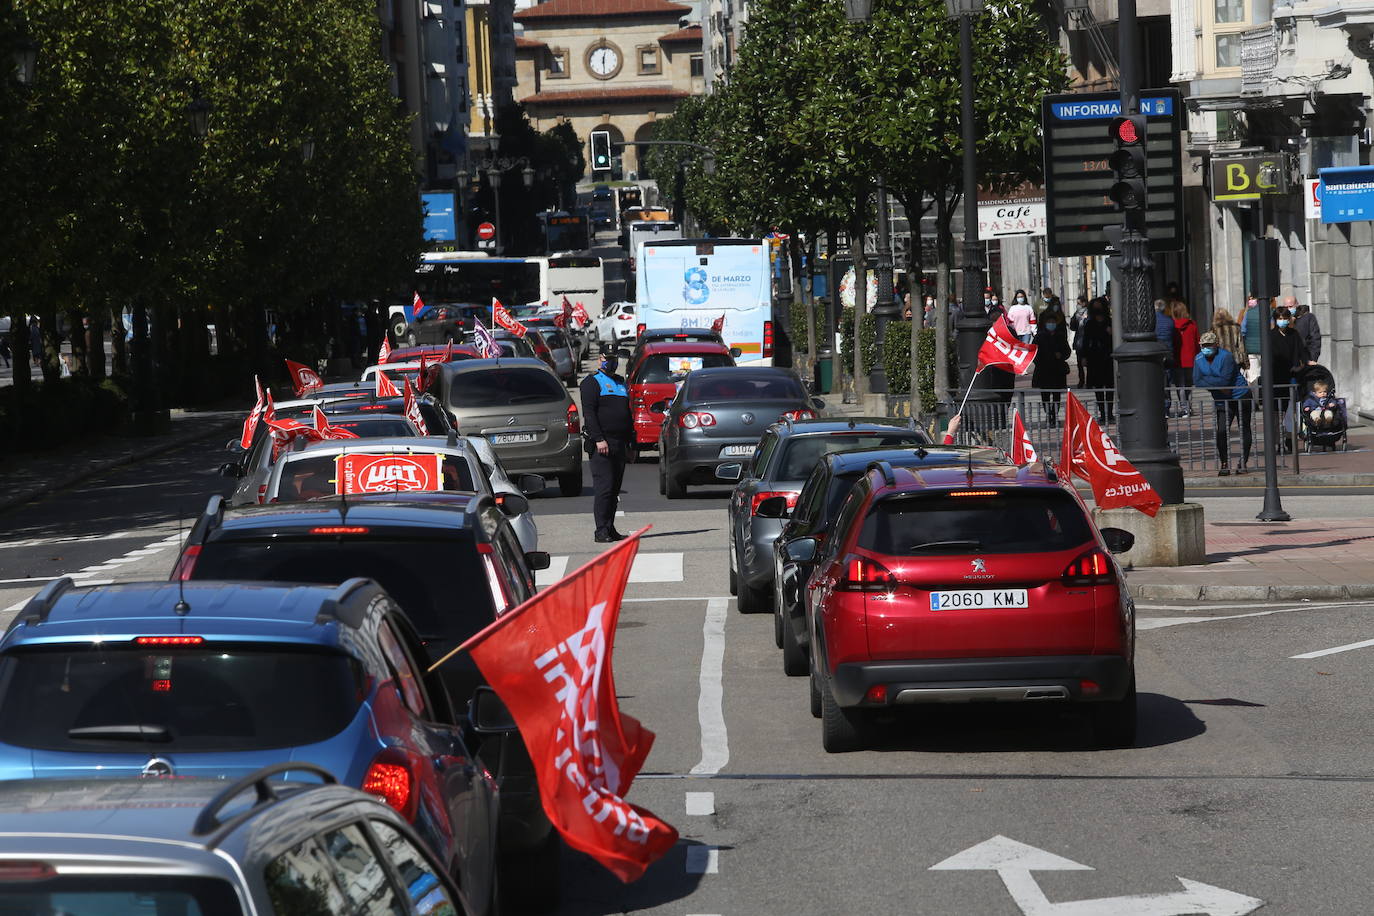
[1192, 431]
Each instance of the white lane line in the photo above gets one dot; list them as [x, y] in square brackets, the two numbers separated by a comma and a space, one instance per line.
[546, 577]
[78, 539]
[1155, 623]
[672, 598]
[703, 860]
[1346, 648]
[657, 567]
[715, 744]
[701, 804]
[31, 580]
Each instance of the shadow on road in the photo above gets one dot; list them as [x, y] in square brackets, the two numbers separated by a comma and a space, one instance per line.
[591, 890]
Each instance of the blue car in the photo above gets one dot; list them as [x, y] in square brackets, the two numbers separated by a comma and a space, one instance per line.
[219, 679]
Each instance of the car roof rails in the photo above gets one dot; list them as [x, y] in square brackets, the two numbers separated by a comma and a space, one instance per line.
[208, 822]
[886, 468]
[336, 607]
[40, 605]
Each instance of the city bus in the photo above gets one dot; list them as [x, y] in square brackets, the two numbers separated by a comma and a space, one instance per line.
[693, 283]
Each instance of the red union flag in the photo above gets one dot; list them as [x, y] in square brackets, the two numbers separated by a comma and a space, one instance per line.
[420, 378]
[1088, 452]
[504, 319]
[412, 410]
[719, 324]
[388, 473]
[303, 379]
[417, 306]
[250, 423]
[385, 387]
[283, 431]
[321, 426]
[580, 313]
[550, 661]
[1022, 451]
[384, 351]
[1002, 348]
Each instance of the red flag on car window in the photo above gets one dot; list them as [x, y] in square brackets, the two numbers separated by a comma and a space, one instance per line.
[303, 379]
[385, 387]
[1022, 451]
[384, 351]
[412, 410]
[250, 423]
[719, 324]
[1090, 453]
[1002, 348]
[321, 424]
[500, 316]
[581, 315]
[549, 659]
[417, 306]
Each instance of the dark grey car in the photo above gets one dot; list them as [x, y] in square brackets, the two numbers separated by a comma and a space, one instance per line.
[785, 457]
[717, 418]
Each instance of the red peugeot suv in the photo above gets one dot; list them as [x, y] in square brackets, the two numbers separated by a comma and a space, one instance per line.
[965, 584]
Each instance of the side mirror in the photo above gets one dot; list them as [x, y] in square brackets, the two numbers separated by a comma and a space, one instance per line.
[736, 352]
[772, 507]
[231, 470]
[802, 550]
[732, 471]
[1118, 539]
[538, 559]
[818, 403]
[530, 484]
[488, 715]
[659, 406]
[512, 504]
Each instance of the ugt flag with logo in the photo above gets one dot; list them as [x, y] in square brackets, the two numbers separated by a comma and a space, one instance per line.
[550, 661]
[303, 379]
[505, 319]
[1090, 453]
[1003, 348]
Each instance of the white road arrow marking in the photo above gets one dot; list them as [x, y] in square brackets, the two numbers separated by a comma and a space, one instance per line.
[1015, 861]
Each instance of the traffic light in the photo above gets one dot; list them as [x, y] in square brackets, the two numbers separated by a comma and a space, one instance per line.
[1128, 191]
[601, 151]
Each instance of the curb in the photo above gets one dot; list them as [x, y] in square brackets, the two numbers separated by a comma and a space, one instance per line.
[107, 464]
[1285, 592]
[1256, 481]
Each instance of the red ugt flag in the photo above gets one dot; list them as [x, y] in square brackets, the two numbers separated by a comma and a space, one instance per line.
[321, 424]
[417, 306]
[412, 410]
[580, 314]
[1002, 348]
[250, 423]
[1089, 452]
[1022, 451]
[500, 316]
[550, 661]
[719, 325]
[385, 387]
[384, 351]
[303, 379]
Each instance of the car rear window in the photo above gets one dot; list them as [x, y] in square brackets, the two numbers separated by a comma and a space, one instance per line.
[504, 386]
[1013, 521]
[314, 476]
[220, 697]
[673, 367]
[364, 427]
[802, 452]
[123, 894]
[728, 387]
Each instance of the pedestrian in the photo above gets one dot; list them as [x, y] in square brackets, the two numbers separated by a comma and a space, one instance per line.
[993, 303]
[1097, 358]
[1229, 338]
[1021, 317]
[1047, 297]
[1051, 373]
[35, 341]
[1305, 323]
[928, 313]
[1290, 358]
[1076, 324]
[1216, 370]
[608, 431]
[5, 348]
[1253, 321]
[1165, 334]
[906, 306]
[1185, 352]
[1320, 408]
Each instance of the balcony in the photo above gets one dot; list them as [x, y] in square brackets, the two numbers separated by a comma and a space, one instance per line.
[1259, 55]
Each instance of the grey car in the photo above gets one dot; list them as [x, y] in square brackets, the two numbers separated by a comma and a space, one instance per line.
[718, 417]
[255, 846]
[522, 409]
[510, 345]
[566, 359]
[786, 454]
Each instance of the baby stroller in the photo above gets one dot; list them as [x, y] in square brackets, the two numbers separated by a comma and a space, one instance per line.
[1329, 436]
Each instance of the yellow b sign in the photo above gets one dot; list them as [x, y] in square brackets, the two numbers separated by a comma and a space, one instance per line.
[1248, 177]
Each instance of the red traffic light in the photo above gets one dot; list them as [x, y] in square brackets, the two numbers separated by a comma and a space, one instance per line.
[1125, 132]
[1129, 130]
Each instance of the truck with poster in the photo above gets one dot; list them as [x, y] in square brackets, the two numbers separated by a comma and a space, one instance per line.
[698, 283]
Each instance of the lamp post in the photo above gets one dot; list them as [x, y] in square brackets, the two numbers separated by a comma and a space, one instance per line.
[495, 167]
[25, 61]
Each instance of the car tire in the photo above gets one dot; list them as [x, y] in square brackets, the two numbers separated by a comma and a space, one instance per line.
[815, 697]
[532, 880]
[570, 484]
[398, 328]
[672, 487]
[794, 660]
[663, 485]
[734, 576]
[1114, 722]
[751, 600]
[777, 615]
[842, 730]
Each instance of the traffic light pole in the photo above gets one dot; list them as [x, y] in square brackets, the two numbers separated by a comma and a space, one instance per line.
[1140, 358]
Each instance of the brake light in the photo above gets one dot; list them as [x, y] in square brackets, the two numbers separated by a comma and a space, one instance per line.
[1092, 568]
[169, 640]
[876, 694]
[26, 870]
[760, 497]
[694, 418]
[802, 414]
[390, 779]
[624, 317]
[767, 339]
[186, 564]
[972, 493]
[574, 421]
[339, 529]
[864, 575]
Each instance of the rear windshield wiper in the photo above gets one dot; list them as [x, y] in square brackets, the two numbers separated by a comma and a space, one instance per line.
[529, 398]
[976, 545]
[122, 733]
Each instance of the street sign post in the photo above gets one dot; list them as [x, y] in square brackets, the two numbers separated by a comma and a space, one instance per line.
[1079, 178]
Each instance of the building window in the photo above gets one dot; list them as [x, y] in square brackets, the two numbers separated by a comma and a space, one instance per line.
[1228, 50]
[698, 66]
[1230, 10]
[558, 63]
[648, 60]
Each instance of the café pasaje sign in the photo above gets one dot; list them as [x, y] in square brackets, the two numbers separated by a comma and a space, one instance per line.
[1248, 177]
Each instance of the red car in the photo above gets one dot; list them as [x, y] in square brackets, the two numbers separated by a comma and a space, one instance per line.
[431, 352]
[964, 584]
[657, 371]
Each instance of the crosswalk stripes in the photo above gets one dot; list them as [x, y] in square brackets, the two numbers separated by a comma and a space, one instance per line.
[648, 567]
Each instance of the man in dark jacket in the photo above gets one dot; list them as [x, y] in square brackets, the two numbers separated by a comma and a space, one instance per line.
[609, 431]
[1305, 323]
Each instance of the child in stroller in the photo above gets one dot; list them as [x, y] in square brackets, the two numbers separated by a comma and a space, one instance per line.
[1323, 414]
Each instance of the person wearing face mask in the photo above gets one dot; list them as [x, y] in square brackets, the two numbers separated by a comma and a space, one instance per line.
[1289, 356]
[608, 429]
[1215, 369]
[1051, 373]
[993, 303]
[1252, 324]
[1021, 317]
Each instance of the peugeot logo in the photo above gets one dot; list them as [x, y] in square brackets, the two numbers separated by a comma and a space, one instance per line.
[979, 566]
[511, 421]
[747, 418]
[158, 766]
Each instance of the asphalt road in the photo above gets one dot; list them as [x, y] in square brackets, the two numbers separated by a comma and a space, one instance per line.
[1251, 780]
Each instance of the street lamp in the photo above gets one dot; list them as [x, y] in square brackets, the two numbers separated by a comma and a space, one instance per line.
[527, 173]
[25, 61]
[307, 149]
[858, 10]
[198, 113]
[494, 166]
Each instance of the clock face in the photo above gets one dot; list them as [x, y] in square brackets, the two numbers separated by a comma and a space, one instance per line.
[604, 61]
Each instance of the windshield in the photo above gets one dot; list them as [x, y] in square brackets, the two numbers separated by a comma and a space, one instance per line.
[504, 387]
[373, 426]
[726, 386]
[222, 697]
[1026, 521]
[801, 453]
[661, 368]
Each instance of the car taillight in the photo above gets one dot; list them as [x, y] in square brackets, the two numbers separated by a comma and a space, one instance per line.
[864, 575]
[694, 418]
[767, 339]
[186, 564]
[802, 414]
[169, 640]
[26, 870]
[639, 329]
[574, 422]
[389, 778]
[1092, 568]
[760, 497]
[626, 318]
[339, 529]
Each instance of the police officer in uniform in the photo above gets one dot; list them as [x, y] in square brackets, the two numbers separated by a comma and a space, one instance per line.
[609, 430]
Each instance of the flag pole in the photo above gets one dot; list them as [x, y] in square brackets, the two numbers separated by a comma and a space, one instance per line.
[969, 391]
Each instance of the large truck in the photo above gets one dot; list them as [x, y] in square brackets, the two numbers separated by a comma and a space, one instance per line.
[700, 283]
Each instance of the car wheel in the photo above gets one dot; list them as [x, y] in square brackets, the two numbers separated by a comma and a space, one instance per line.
[398, 328]
[570, 484]
[751, 600]
[777, 615]
[532, 880]
[1114, 722]
[842, 730]
[734, 576]
[663, 486]
[815, 697]
[673, 488]
[794, 660]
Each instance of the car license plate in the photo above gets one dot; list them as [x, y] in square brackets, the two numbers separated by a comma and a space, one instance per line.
[736, 451]
[512, 438]
[979, 598]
